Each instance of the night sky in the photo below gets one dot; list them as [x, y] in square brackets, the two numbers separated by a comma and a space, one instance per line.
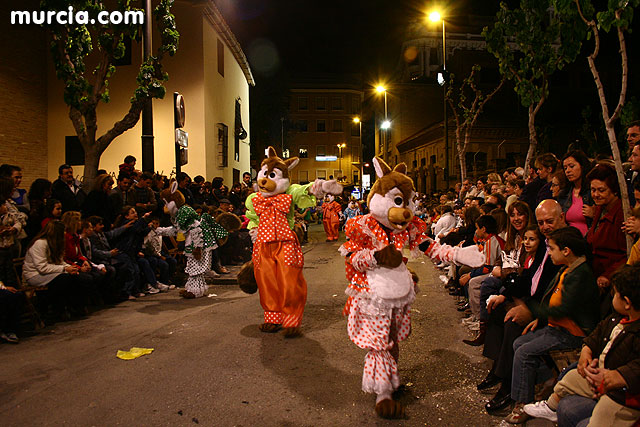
[328, 36]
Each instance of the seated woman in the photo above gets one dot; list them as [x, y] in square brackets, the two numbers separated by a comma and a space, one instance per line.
[512, 257]
[575, 199]
[501, 334]
[606, 238]
[569, 309]
[44, 266]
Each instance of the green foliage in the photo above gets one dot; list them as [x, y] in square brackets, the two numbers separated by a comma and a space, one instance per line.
[74, 45]
[630, 112]
[531, 43]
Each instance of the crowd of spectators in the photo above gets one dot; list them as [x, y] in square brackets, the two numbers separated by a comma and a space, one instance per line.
[79, 248]
[557, 283]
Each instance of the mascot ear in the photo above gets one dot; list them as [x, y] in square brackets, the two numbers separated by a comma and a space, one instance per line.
[292, 162]
[381, 167]
[174, 186]
[402, 168]
[272, 152]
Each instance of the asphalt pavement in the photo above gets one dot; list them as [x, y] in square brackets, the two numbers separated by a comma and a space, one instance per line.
[212, 366]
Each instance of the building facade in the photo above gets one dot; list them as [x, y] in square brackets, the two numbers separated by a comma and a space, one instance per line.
[209, 70]
[323, 134]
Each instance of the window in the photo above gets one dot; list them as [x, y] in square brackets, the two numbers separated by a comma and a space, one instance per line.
[302, 126]
[337, 174]
[321, 103]
[476, 161]
[73, 151]
[355, 106]
[321, 174]
[223, 145]
[356, 177]
[336, 103]
[220, 58]
[337, 125]
[321, 126]
[355, 129]
[320, 150]
[302, 152]
[303, 177]
[355, 154]
[303, 103]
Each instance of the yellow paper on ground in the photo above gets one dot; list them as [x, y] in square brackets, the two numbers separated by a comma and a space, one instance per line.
[134, 353]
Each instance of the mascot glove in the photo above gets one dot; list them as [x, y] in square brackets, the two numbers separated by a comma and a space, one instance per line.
[253, 233]
[321, 187]
[469, 256]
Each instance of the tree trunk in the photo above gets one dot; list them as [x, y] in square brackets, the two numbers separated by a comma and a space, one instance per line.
[91, 162]
[461, 150]
[533, 139]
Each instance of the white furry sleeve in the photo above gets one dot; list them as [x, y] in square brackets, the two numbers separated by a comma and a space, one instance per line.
[363, 260]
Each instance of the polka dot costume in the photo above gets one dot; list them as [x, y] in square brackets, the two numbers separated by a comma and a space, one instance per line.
[374, 323]
[278, 262]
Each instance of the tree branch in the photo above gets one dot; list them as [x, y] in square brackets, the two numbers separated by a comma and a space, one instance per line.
[623, 55]
[121, 126]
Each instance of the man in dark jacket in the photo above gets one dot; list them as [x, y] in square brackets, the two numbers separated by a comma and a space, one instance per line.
[504, 326]
[67, 190]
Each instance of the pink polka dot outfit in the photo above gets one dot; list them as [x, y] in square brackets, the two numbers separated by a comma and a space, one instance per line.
[375, 323]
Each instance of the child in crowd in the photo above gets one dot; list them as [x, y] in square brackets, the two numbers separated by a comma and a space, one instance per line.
[125, 282]
[52, 210]
[569, 308]
[159, 259]
[609, 366]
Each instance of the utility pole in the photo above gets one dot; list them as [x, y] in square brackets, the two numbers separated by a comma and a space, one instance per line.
[147, 112]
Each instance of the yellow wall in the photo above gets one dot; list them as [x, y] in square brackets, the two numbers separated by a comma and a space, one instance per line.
[207, 100]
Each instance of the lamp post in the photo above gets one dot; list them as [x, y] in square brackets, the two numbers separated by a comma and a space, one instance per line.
[386, 124]
[357, 121]
[435, 17]
[340, 147]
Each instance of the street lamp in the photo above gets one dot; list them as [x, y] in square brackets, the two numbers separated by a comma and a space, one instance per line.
[340, 147]
[386, 124]
[435, 16]
[357, 121]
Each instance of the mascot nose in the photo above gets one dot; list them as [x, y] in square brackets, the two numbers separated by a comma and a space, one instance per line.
[263, 181]
[407, 214]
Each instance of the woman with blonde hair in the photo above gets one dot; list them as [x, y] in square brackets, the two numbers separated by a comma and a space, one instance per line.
[44, 265]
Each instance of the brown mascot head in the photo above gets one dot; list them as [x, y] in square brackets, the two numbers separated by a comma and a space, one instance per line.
[273, 177]
[391, 198]
[173, 198]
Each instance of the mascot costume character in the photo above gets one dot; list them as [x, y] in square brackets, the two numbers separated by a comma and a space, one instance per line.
[201, 235]
[276, 265]
[381, 287]
[331, 214]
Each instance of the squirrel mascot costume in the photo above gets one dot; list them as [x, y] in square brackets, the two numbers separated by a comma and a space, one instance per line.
[277, 260]
[201, 236]
[381, 287]
[331, 214]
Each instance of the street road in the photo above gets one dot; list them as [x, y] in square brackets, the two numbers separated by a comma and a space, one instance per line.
[212, 366]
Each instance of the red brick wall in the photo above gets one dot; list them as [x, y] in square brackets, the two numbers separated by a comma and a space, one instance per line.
[23, 95]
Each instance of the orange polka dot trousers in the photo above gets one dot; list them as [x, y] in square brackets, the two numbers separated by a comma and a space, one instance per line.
[331, 228]
[379, 333]
[283, 289]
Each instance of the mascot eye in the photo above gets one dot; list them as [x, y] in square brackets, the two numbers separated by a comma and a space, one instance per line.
[272, 175]
[398, 201]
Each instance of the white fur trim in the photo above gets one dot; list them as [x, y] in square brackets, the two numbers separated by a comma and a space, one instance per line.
[174, 186]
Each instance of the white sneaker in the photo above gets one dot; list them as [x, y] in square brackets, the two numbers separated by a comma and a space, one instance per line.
[162, 287]
[152, 290]
[541, 410]
[469, 320]
[172, 286]
[475, 326]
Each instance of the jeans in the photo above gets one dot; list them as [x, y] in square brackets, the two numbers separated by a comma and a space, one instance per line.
[128, 272]
[166, 267]
[10, 309]
[575, 410]
[529, 350]
[490, 286]
[147, 271]
[7, 274]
